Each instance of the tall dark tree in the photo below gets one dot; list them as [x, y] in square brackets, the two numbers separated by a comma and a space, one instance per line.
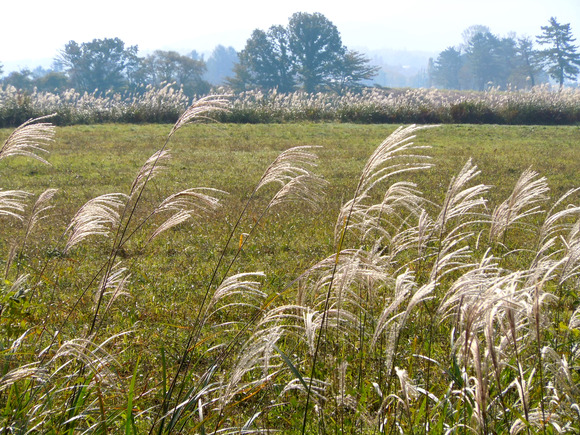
[100, 64]
[172, 67]
[485, 61]
[561, 57]
[306, 54]
[447, 67]
[266, 62]
[317, 48]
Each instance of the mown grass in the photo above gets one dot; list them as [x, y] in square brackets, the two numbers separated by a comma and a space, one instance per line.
[168, 277]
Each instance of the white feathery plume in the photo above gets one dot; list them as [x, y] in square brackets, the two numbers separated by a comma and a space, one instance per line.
[96, 217]
[28, 371]
[393, 147]
[176, 219]
[29, 139]
[92, 356]
[528, 191]
[201, 109]
[12, 203]
[186, 204]
[555, 221]
[152, 167]
[303, 188]
[393, 156]
[289, 164]
[115, 285]
[40, 208]
[460, 201]
[239, 285]
[316, 388]
[401, 197]
[256, 355]
[193, 200]
[404, 286]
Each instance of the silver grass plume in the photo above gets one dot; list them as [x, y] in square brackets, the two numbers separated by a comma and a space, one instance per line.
[185, 205]
[291, 170]
[522, 202]
[200, 110]
[98, 216]
[28, 371]
[386, 218]
[289, 164]
[40, 208]
[240, 285]
[404, 286]
[255, 356]
[393, 156]
[12, 203]
[29, 139]
[152, 167]
[114, 286]
[396, 146]
[555, 222]
[460, 200]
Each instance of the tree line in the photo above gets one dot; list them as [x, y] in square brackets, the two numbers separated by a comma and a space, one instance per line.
[307, 54]
[486, 60]
[109, 65]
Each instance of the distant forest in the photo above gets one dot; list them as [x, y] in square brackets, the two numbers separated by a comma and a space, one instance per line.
[287, 59]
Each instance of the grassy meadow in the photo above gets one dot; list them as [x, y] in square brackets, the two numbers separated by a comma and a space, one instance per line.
[452, 306]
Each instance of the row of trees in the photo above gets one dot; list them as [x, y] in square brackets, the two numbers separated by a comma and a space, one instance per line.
[308, 54]
[108, 64]
[485, 60]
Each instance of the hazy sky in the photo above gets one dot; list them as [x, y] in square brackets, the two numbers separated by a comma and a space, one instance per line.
[33, 32]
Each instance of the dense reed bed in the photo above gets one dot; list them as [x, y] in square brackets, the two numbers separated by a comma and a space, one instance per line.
[540, 105]
[431, 312]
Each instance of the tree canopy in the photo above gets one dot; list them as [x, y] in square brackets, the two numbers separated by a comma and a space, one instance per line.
[307, 54]
[101, 64]
[561, 57]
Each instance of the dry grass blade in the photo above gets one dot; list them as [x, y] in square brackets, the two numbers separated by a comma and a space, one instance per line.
[29, 139]
[97, 217]
[200, 110]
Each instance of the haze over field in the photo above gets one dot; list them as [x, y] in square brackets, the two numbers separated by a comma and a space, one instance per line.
[33, 35]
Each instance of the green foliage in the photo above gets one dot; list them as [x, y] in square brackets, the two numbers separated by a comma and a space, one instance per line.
[561, 58]
[395, 348]
[307, 54]
[102, 64]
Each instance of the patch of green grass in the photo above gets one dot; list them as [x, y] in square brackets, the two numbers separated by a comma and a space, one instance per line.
[170, 275]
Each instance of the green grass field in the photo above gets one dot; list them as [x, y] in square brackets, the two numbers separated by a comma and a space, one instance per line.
[169, 276]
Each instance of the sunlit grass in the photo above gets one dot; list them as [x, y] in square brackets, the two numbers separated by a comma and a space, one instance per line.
[170, 275]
